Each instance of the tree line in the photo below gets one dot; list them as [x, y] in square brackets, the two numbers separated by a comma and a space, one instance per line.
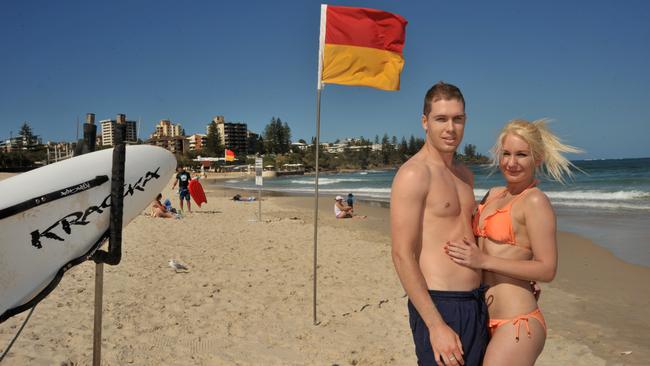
[390, 155]
[274, 145]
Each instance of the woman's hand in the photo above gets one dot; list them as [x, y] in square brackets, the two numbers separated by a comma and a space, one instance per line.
[466, 254]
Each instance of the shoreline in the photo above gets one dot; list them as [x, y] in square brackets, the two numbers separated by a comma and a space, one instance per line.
[249, 287]
[625, 236]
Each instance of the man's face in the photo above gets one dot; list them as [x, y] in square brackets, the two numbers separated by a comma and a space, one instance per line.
[445, 125]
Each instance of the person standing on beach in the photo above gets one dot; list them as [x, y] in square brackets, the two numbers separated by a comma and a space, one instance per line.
[516, 231]
[183, 179]
[432, 200]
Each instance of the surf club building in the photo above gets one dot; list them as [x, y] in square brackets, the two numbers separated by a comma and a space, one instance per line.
[108, 132]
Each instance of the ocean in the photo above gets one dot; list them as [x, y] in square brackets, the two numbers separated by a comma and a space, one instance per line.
[607, 202]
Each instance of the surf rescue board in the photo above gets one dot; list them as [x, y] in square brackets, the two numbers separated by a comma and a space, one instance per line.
[196, 192]
[55, 217]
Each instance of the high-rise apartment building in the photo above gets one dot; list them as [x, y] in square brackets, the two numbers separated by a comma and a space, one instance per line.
[233, 135]
[108, 132]
[165, 128]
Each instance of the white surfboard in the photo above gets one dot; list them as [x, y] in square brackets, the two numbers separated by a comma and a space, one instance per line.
[56, 216]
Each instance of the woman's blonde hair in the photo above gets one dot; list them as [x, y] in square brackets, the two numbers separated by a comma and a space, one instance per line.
[544, 146]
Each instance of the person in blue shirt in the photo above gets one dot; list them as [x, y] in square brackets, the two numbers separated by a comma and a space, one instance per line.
[350, 200]
[183, 180]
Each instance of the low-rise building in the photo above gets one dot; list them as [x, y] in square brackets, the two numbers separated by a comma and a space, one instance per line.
[10, 144]
[300, 146]
[177, 144]
[20, 142]
[197, 142]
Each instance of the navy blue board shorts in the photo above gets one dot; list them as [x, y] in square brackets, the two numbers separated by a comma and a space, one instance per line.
[184, 193]
[466, 313]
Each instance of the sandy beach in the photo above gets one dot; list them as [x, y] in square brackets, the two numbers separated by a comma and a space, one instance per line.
[247, 296]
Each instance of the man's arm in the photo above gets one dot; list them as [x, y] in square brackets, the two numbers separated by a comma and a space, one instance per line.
[175, 181]
[407, 205]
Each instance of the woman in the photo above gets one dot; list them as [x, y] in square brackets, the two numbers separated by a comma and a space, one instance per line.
[158, 209]
[340, 210]
[516, 232]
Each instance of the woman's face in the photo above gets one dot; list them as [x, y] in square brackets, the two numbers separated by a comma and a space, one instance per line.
[516, 162]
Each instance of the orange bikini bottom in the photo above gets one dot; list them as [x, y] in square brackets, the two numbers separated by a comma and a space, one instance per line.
[516, 322]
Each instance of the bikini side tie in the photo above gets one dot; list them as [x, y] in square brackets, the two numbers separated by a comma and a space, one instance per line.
[517, 324]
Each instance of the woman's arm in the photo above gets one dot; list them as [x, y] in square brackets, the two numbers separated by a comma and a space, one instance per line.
[343, 207]
[541, 230]
[158, 205]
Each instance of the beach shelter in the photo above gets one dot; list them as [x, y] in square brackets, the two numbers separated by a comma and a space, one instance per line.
[360, 47]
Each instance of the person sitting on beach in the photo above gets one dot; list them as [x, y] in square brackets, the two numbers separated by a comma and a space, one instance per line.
[158, 209]
[516, 230]
[341, 211]
[238, 197]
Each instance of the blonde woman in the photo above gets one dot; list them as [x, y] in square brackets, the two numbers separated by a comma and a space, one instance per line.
[516, 231]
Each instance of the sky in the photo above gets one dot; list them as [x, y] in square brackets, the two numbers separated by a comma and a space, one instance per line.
[582, 64]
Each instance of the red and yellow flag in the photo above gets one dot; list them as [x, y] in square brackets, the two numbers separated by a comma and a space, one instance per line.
[230, 155]
[360, 46]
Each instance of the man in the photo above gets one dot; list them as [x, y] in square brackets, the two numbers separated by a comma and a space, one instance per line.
[431, 204]
[183, 179]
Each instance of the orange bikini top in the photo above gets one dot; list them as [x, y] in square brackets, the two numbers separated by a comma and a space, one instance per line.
[498, 225]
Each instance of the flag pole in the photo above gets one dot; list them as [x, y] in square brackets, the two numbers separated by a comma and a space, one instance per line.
[323, 22]
[316, 199]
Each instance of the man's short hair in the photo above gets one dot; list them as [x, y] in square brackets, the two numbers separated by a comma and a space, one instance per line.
[440, 91]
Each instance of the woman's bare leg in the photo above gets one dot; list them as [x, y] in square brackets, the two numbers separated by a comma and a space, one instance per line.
[504, 349]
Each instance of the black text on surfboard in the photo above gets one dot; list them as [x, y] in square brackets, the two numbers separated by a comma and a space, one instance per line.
[82, 217]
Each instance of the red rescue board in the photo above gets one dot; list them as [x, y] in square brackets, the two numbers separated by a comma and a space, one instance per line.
[196, 192]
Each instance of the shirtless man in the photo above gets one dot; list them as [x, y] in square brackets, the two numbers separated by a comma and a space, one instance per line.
[431, 204]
